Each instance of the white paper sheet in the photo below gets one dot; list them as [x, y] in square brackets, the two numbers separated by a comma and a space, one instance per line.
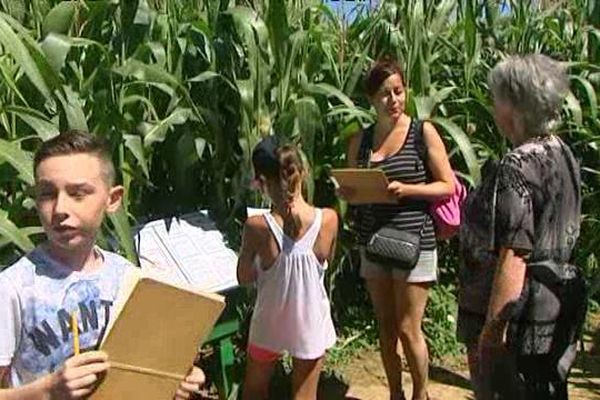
[189, 250]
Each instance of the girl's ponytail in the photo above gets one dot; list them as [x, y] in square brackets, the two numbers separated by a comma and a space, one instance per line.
[291, 172]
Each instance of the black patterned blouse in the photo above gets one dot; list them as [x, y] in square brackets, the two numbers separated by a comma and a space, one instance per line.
[538, 211]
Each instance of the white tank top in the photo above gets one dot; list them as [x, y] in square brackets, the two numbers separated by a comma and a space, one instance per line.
[292, 312]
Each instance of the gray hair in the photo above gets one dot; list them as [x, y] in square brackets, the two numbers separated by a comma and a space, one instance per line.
[535, 85]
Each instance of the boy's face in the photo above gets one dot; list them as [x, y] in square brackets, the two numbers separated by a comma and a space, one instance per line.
[72, 195]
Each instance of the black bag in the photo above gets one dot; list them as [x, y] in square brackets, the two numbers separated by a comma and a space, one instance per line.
[388, 245]
[551, 316]
[396, 248]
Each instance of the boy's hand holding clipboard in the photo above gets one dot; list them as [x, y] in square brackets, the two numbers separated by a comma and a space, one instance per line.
[362, 186]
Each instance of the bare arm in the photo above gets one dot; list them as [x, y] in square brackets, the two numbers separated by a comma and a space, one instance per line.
[4, 371]
[75, 380]
[506, 289]
[37, 390]
[439, 165]
[352, 150]
[250, 241]
[331, 222]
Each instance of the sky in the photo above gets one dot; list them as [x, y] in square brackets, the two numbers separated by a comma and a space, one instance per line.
[350, 7]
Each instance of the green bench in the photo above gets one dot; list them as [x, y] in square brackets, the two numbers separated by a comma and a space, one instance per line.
[227, 379]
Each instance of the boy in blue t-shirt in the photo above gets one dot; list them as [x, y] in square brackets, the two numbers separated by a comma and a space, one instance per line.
[74, 186]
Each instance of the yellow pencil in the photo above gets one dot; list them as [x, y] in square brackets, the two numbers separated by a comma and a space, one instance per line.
[75, 331]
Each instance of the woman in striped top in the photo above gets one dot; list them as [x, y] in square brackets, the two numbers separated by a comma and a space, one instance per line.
[398, 296]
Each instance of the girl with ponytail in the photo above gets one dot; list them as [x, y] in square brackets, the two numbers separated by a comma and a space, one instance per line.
[286, 252]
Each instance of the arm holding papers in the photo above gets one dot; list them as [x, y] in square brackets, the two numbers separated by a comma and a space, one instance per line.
[436, 159]
[363, 186]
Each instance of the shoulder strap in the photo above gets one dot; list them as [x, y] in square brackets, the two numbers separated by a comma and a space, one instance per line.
[275, 229]
[366, 144]
[420, 141]
[311, 235]
[569, 160]
[494, 203]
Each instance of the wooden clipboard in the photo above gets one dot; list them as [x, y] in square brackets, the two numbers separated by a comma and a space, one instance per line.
[366, 185]
[152, 342]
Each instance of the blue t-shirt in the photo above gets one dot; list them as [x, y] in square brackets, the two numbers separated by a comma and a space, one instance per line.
[38, 295]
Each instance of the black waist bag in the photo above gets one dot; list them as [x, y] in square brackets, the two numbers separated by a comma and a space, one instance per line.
[390, 246]
[551, 315]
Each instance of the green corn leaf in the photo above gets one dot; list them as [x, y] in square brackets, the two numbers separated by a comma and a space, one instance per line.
[8, 79]
[21, 54]
[136, 98]
[120, 222]
[19, 159]
[205, 76]
[143, 14]
[9, 231]
[73, 108]
[277, 21]
[36, 121]
[56, 48]
[297, 40]
[424, 105]
[464, 144]
[352, 112]
[146, 72]
[27, 231]
[574, 107]
[356, 72]
[200, 145]
[248, 22]
[328, 90]
[134, 144]
[246, 92]
[156, 132]
[60, 18]
[308, 124]
[588, 89]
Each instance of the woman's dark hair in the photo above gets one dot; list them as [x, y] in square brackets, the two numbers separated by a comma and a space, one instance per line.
[382, 69]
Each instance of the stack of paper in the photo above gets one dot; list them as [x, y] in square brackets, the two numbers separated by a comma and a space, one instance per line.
[187, 250]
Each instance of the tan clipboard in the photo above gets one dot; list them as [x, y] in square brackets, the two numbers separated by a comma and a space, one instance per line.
[366, 185]
[154, 339]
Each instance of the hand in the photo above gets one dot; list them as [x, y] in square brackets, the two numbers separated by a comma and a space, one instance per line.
[191, 384]
[398, 189]
[345, 192]
[78, 376]
[492, 344]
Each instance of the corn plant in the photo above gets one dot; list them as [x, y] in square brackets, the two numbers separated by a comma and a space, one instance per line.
[182, 90]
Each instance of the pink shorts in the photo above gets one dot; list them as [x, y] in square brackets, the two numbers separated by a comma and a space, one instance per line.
[261, 354]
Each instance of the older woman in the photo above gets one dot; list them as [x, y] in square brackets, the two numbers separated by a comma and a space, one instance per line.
[399, 296]
[526, 210]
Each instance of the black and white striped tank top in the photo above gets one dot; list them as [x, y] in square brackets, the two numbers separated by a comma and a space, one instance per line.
[405, 166]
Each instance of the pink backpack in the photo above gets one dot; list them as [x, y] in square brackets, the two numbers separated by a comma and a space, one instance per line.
[446, 213]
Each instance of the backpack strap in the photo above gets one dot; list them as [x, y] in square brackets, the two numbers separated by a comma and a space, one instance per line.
[420, 141]
[366, 145]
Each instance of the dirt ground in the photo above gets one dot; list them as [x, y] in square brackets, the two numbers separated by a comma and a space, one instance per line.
[364, 378]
